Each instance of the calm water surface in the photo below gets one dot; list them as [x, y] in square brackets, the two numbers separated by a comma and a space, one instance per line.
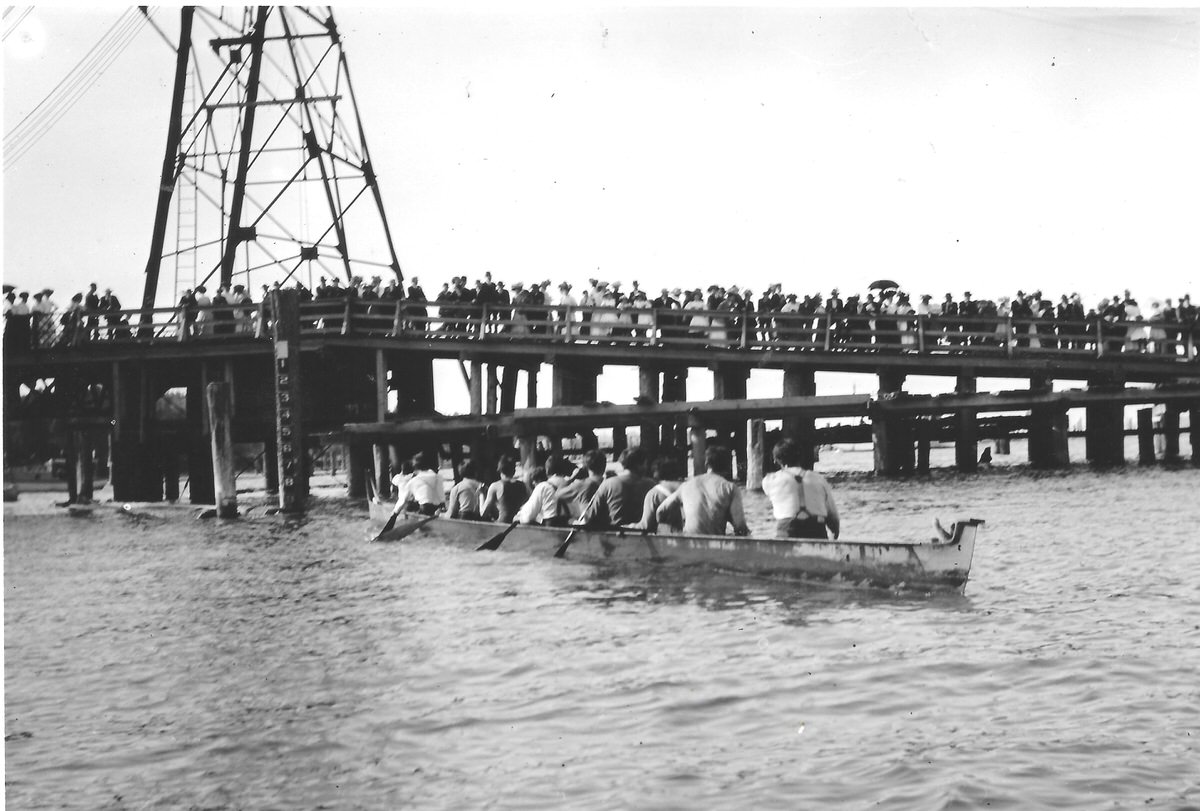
[160, 662]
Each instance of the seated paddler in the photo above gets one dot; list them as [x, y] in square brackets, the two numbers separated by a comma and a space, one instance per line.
[618, 500]
[801, 499]
[708, 502]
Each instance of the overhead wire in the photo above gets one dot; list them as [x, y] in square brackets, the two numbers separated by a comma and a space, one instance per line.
[73, 90]
[16, 23]
[73, 86]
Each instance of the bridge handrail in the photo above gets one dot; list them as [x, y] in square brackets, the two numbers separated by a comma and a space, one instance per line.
[752, 331]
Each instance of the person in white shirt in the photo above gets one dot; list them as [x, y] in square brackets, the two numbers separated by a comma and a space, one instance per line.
[801, 500]
[566, 313]
[204, 324]
[542, 506]
[426, 486]
[401, 482]
[697, 324]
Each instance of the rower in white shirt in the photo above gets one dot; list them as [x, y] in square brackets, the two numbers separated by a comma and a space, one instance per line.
[801, 499]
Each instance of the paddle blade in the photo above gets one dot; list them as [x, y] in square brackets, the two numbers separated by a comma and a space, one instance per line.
[391, 522]
[494, 543]
[562, 547]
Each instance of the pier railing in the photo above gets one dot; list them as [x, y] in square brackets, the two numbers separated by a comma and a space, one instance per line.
[636, 327]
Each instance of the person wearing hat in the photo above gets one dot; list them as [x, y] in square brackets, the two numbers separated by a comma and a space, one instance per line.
[110, 305]
[72, 321]
[204, 322]
[605, 315]
[566, 314]
[91, 306]
[243, 313]
[17, 329]
[696, 322]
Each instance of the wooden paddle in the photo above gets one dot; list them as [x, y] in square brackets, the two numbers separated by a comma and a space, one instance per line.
[497, 539]
[562, 547]
[391, 522]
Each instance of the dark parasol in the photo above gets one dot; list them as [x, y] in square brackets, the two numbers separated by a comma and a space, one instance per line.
[882, 284]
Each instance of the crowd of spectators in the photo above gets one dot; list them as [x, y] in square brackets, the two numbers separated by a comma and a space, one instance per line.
[42, 323]
[883, 318]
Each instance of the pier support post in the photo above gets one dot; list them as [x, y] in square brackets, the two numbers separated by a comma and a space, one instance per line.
[1194, 434]
[649, 393]
[756, 441]
[924, 431]
[382, 469]
[201, 481]
[508, 388]
[270, 466]
[1145, 435]
[1170, 429]
[84, 469]
[220, 421]
[699, 442]
[620, 441]
[531, 386]
[358, 469]
[892, 435]
[674, 390]
[966, 429]
[574, 383]
[1105, 432]
[476, 387]
[170, 469]
[101, 449]
[799, 381]
[729, 383]
[492, 391]
[289, 435]
[1048, 431]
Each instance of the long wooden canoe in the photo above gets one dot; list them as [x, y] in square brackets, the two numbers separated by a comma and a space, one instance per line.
[881, 564]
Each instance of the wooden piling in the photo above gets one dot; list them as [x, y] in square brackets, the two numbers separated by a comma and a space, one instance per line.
[491, 394]
[508, 388]
[966, 428]
[220, 420]
[476, 387]
[1194, 434]
[382, 470]
[891, 434]
[197, 444]
[1104, 437]
[756, 440]
[270, 466]
[799, 381]
[289, 434]
[730, 383]
[924, 430]
[1170, 430]
[1145, 435]
[531, 387]
[84, 469]
[699, 442]
[620, 441]
[649, 392]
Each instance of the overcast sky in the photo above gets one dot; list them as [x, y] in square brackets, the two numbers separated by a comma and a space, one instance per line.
[989, 149]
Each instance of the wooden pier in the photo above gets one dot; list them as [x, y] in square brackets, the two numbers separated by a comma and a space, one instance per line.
[361, 374]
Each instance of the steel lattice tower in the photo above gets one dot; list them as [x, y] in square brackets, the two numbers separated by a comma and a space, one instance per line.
[271, 142]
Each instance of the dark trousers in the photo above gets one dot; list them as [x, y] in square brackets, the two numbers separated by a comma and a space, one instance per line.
[795, 528]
